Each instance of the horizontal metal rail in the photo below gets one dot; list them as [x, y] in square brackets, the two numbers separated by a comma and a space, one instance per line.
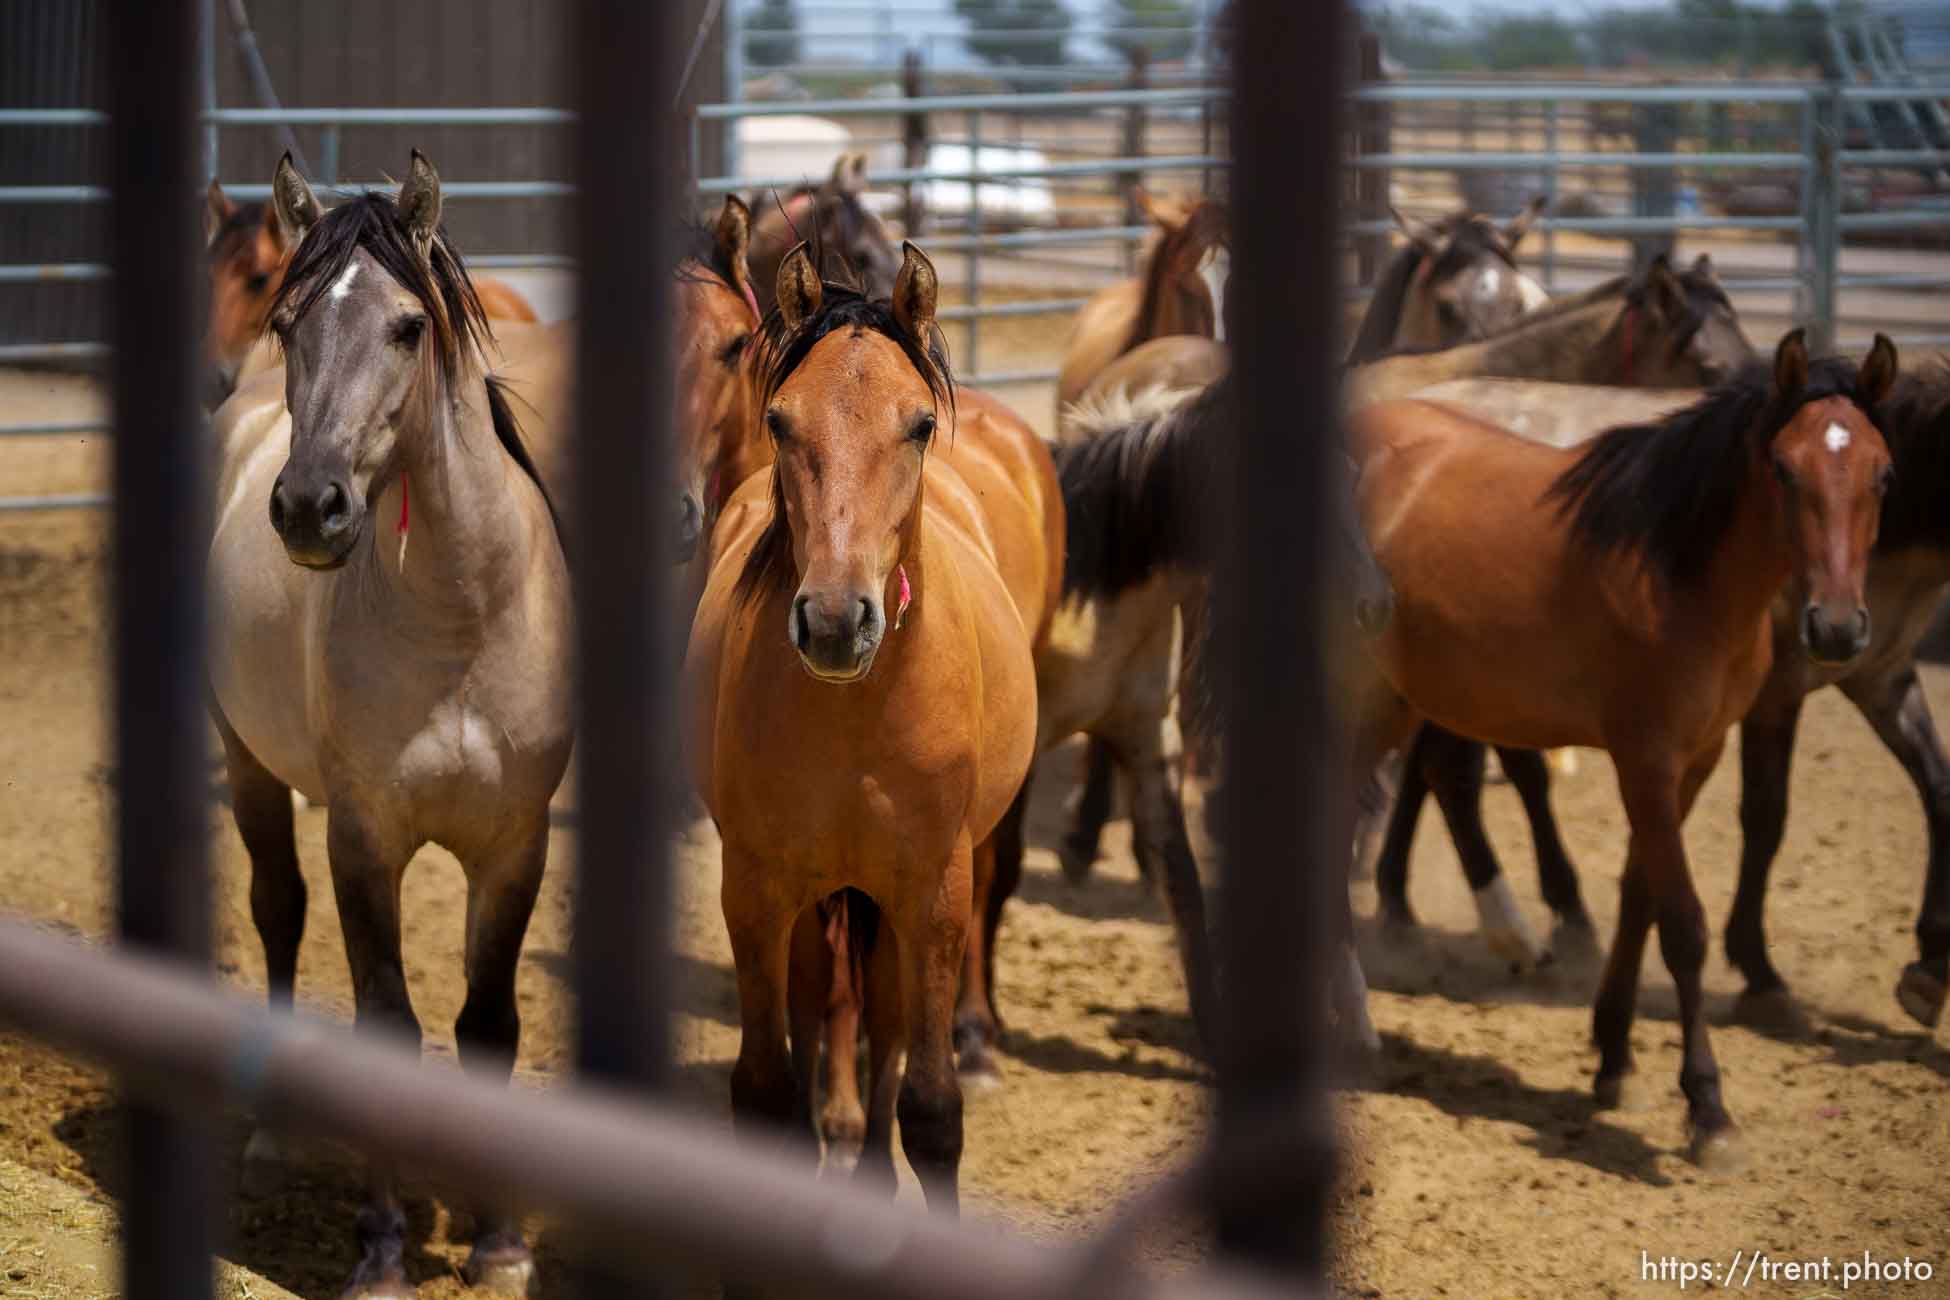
[448, 190]
[61, 501]
[642, 1181]
[998, 175]
[57, 428]
[1486, 160]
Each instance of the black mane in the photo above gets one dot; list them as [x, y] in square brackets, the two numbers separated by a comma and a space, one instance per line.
[439, 281]
[781, 349]
[1469, 238]
[1136, 497]
[1915, 422]
[1670, 489]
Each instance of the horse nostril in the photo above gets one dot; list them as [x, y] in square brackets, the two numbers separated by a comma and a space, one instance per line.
[1861, 627]
[801, 629]
[690, 521]
[278, 508]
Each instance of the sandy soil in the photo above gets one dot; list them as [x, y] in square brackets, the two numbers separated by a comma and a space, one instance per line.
[1477, 1165]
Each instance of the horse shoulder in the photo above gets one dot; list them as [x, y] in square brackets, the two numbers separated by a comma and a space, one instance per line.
[538, 371]
[502, 301]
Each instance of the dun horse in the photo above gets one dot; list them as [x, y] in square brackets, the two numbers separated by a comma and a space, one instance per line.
[1456, 280]
[1533, 623]
[851, 243]
[1181, 291]
[874, 746]
[391, 636]
[247, 250]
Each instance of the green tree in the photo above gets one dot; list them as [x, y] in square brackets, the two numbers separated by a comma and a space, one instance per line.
[772, 33]
[1029, 32]
[1522, 42]
[1167, 27]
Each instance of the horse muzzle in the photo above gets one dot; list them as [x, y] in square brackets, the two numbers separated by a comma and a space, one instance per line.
[1373, 609]
[690, 527]
[1834, 637]
[837, 633]
[318, 522]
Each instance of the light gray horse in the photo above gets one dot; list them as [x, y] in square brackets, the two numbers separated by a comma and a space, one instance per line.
[391, 635]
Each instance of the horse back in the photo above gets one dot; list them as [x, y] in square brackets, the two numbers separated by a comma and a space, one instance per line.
[1013, 476]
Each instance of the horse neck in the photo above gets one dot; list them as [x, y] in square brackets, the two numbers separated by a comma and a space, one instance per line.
[468, 537]
[1168, 305]
[1566, 346]
[1753, 561]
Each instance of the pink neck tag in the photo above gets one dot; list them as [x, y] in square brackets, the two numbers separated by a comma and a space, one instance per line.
[907, 597]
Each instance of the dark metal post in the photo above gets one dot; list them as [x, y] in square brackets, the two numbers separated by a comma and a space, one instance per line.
[1132, 143]
[914, 143]
[1372, 184]
[162, 768]
[1285, 818]
[623, 524]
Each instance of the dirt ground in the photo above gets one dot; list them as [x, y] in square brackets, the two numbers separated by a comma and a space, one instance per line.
[1477, 1166]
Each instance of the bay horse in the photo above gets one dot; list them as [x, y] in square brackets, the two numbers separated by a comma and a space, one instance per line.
[850, 241]
[1619, 597]
[247, 249]
[1179, 290]
[1456, 280]
[876, 746]
[1909, 576]
[419, 693]
[1139, 498]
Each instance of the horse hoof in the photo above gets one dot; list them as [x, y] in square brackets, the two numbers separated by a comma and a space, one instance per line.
[1575, 944]
[1076, 857]
[264, 1166]
[842, 1157]
[1504, 928]
[1772, 1011]
[979, 1078]
[1921, 995]
[1719, 1151]
[1620, 1092]
[504, 1270]
[385, 1288]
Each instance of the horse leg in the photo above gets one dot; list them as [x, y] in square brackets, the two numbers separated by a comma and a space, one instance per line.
[976, 1030]
[823, 1004]
[886, 1036]
[261, 805]
[760, 921]
[1766, 756]
[1453, 767]
[1529, 772]
[1391, 864]
[501, 889]
[1895, 706]
[1657, 806]
[1164, 850]
[933, 933]
[367, 864]
[1082, 844]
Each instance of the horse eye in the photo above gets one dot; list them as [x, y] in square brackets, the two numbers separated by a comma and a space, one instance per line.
[923, 429]
[1885, 480]
[407, 332]
[776, 423]
[1782, 472]
[256, 282]
[734, 349]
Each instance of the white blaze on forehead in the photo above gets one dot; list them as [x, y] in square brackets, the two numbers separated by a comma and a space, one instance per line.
[344, 285]
[1531, 292]
[1837, 438]
[1488, 283]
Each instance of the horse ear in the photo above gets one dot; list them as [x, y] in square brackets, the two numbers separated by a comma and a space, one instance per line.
[1878, 373]
[217, 209]
[1703, 267]
[799, 289]
[915, 291]
[1791, 362]
[849, 173]
[1147, 204]
[1519, 225]
[293, 203]
[1664, 291]
[733, 234]
[1420, 233]
[419, 202]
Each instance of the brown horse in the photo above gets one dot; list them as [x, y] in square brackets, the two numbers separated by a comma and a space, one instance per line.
[419, 693]
[247, 250]
[1180, 291]
[1618, 597]
[1456, 280]
[876, 746]
[850, 242]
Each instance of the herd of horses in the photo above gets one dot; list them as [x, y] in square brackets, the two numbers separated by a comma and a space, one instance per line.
[1602, 521]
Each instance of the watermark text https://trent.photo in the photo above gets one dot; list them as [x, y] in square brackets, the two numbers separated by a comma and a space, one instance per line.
[1745, 1268]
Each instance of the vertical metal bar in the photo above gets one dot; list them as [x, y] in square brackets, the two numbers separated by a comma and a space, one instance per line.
[206, 56]
[169, 1218]
[1285, 812]
[1550, 202]
[328, 155]
[1825, 196]
[627, 143]
[734, 83]
[969, 364]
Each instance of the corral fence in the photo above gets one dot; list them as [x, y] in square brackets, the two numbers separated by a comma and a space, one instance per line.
[650, 1190]
[1815, 218]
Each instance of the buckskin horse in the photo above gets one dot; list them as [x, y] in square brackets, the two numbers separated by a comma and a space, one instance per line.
[418, 692]
[861, 695]
[1618, 596]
